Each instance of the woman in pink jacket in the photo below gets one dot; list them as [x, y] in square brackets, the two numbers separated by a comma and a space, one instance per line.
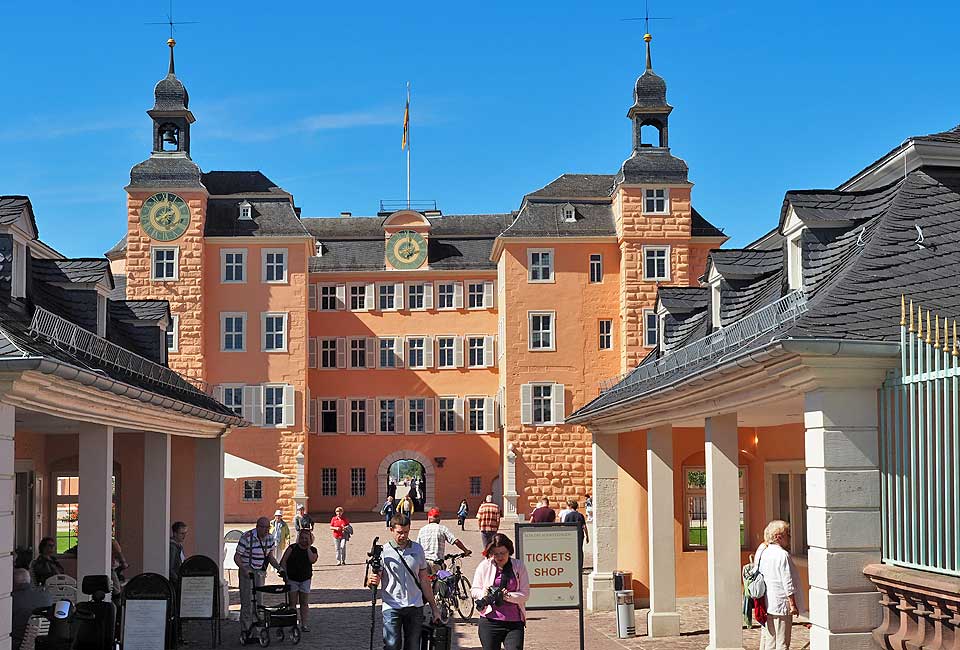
[501, 587]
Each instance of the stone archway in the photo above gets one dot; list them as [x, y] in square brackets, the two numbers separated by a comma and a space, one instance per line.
[428, 469]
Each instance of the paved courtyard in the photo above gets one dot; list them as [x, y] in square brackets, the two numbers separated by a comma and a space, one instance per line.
[341, 613]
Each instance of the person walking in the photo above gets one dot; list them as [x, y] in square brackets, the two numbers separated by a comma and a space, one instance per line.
[434, 537]
[46, 564]
[462, 513]
[543, 513]
[502, 622]
[488, 519]
[406, 507]
[780, 577]
[302, 521]
[406, 587]
[339, 525]
[588, 507]
[280, 530]
[388, 510]
[573, 516]
[255, 550]
[178, 533]
[297, 562]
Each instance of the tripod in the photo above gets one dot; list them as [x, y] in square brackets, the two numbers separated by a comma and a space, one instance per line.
[375, 565]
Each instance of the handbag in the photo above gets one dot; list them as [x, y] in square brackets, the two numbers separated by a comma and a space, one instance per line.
[760, 610]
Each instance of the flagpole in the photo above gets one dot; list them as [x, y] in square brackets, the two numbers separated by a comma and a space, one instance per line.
[408, 148]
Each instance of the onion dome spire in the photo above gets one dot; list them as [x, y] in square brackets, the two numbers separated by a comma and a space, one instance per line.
[646, 37]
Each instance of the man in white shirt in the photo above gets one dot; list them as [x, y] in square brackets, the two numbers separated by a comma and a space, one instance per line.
[434, 536]
[780, 578]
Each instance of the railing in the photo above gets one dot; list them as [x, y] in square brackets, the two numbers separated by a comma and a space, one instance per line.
[403, 204]
[764, 320]
[920, 449]
[82, 342]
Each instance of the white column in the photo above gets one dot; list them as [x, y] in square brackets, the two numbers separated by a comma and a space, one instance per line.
[208, 504]
[7, 497]
[723, 533]
[510, 494]
[156, 503]
[95, 520]
[662, 619]
[300, 494]
[843, 515]
[600, 591]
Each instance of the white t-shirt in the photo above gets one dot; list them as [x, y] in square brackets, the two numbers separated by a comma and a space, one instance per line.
[398, 587]
[780, 577]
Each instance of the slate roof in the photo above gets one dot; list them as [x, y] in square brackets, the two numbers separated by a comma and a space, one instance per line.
[830, 209]
[950, 136]
[368, 255]
[239, 183]
[459, 225]
[678, 330]
[170, 94]
[742, 263]
[700, 227]
[740, 297]
[165, 170]
[270, 218]
[854, 276]
[74, 271]
[12, 206]
[678, 300]
[577, 186]
[537, 219]
[652, 165]
[149, 310]
[119, 291]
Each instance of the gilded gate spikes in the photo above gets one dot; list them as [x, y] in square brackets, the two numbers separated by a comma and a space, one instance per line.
[928, 326]
[955, 337]
[936, 331]
[919, 323]
[946, 335]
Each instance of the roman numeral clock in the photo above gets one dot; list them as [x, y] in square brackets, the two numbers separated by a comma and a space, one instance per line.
[164, 216]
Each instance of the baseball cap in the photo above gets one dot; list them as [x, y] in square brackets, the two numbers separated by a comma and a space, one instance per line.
[278, 512]
[433, 512]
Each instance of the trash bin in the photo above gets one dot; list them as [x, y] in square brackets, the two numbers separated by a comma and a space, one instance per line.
[626, 617]
[622, 580]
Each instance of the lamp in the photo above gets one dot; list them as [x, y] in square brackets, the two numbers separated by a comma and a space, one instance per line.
[439, 460]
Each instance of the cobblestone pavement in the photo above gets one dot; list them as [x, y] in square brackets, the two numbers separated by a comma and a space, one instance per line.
[340, 612]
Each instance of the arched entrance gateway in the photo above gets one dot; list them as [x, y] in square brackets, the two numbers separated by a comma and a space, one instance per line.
[404, 471]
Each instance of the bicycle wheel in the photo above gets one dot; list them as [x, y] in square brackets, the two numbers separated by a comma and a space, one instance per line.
[462, 600]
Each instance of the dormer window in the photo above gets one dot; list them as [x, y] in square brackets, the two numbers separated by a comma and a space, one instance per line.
[794, 261]
[101, 315]
[715, 304]
[246, 211]
[18, 286]
[569, 213]
[656, 201]
[319, 249]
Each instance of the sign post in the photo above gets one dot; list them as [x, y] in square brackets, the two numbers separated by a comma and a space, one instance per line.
[553, 555]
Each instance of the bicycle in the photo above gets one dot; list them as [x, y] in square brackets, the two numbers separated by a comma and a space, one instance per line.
[452, 588]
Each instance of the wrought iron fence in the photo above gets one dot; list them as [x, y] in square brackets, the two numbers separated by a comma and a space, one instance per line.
[84, 343]
[920, 448]
[764, 320]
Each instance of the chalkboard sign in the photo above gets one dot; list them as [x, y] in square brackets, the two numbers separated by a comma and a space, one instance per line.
[199, 593]
[146, 613]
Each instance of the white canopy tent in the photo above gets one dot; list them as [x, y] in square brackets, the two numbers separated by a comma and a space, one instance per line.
[236, 468]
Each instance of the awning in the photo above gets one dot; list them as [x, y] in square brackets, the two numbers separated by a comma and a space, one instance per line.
[235, 467]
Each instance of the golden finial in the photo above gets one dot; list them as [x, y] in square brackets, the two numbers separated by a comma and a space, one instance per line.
[946, 335]
[647, 38]
[911, 314]
[171, 43]
[903, 310]
[936, 331]
[928, 326]
[919, 323]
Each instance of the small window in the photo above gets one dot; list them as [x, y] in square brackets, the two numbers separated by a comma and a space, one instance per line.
[476, 487]
[415, 352]
[18, 287]
[328, 416]
[358, 297]
[656, 263]
[540, 265]
[475, 411]
[475, 350]
[164, 263]
[101, 315]
[273, 406]
[328, 481]
[253, 490]
[606, 334]
[275, 265]
[475, 292]
[416, 415]
[388, 415]
[173, 334]
[651, 328]
[596, 269]
[569, 214]
[233, 398]
[542, 403]
[542, 331]
[415, 296]
[655, 201]
[387, 297]
[233, 327]
[233, 268]
[445, 293]
[328, 353]
[274, 332]
[388, 352]
[788, 499]
[328, 297]
[448, 414]
[445, 358]
[246, 211]
[358, 353]
[695, 506]
[358, 481]
[358, 416]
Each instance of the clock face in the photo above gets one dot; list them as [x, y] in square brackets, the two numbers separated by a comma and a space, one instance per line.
[164, 216]
[406, 250]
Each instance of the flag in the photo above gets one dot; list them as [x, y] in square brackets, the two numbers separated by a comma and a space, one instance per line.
[406, 124]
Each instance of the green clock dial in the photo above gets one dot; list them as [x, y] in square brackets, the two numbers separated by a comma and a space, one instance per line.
[406, 250]
[164, 216]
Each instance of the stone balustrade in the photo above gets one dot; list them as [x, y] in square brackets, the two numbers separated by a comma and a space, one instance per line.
[921, 610]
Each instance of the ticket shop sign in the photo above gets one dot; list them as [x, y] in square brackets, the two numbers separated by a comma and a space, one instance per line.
[552, 555]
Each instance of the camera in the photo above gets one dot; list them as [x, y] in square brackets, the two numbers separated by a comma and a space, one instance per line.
[493, 598]
[374, 560]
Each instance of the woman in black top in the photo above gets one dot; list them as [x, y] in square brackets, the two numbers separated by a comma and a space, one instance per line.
[46, 564]
[297, 562]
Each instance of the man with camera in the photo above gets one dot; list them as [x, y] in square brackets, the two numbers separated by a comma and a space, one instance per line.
[405, 582]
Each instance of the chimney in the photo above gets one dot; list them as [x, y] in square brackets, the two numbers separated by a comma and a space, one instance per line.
[346, 215]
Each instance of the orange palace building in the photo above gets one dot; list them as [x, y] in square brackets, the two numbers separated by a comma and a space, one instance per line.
[460, 342]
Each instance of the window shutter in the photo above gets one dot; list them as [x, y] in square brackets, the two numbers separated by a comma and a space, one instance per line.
[370, 294]
[312, 343]
[372, 352]
[312, 296]
[289, 406]
[489, 352]
[218, 393]
[314, 407]
[398, 345]
[557, 402]
[401, 421]
[376, 347]
[489, 295]
[458, 413]
[253, 404]
[428, 352]
[428, 415]
[458, 295]
[341, 415]
[488, 411]
[341, 297]
[371, 415]
[526, 404]
[428, 295]
[458, 351]
[398, 296]
[341, 352]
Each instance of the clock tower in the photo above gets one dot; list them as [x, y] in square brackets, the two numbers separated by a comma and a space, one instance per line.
[166, 208]
[406, 234]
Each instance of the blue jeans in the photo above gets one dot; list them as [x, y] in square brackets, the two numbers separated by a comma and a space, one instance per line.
[401, 628]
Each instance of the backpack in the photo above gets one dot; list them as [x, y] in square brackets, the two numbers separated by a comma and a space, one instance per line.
[753, 582]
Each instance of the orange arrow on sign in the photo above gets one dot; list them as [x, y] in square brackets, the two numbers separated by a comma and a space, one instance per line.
[546, 585]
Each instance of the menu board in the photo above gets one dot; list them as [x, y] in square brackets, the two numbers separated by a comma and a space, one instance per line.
[196, 596]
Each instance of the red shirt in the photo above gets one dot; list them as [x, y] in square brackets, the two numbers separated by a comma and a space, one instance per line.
[488, 516]
[338, 522]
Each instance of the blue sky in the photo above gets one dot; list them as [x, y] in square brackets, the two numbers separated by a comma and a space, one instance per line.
[506, 96]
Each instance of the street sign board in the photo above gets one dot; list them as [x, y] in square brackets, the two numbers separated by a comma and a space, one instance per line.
[553, 556]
